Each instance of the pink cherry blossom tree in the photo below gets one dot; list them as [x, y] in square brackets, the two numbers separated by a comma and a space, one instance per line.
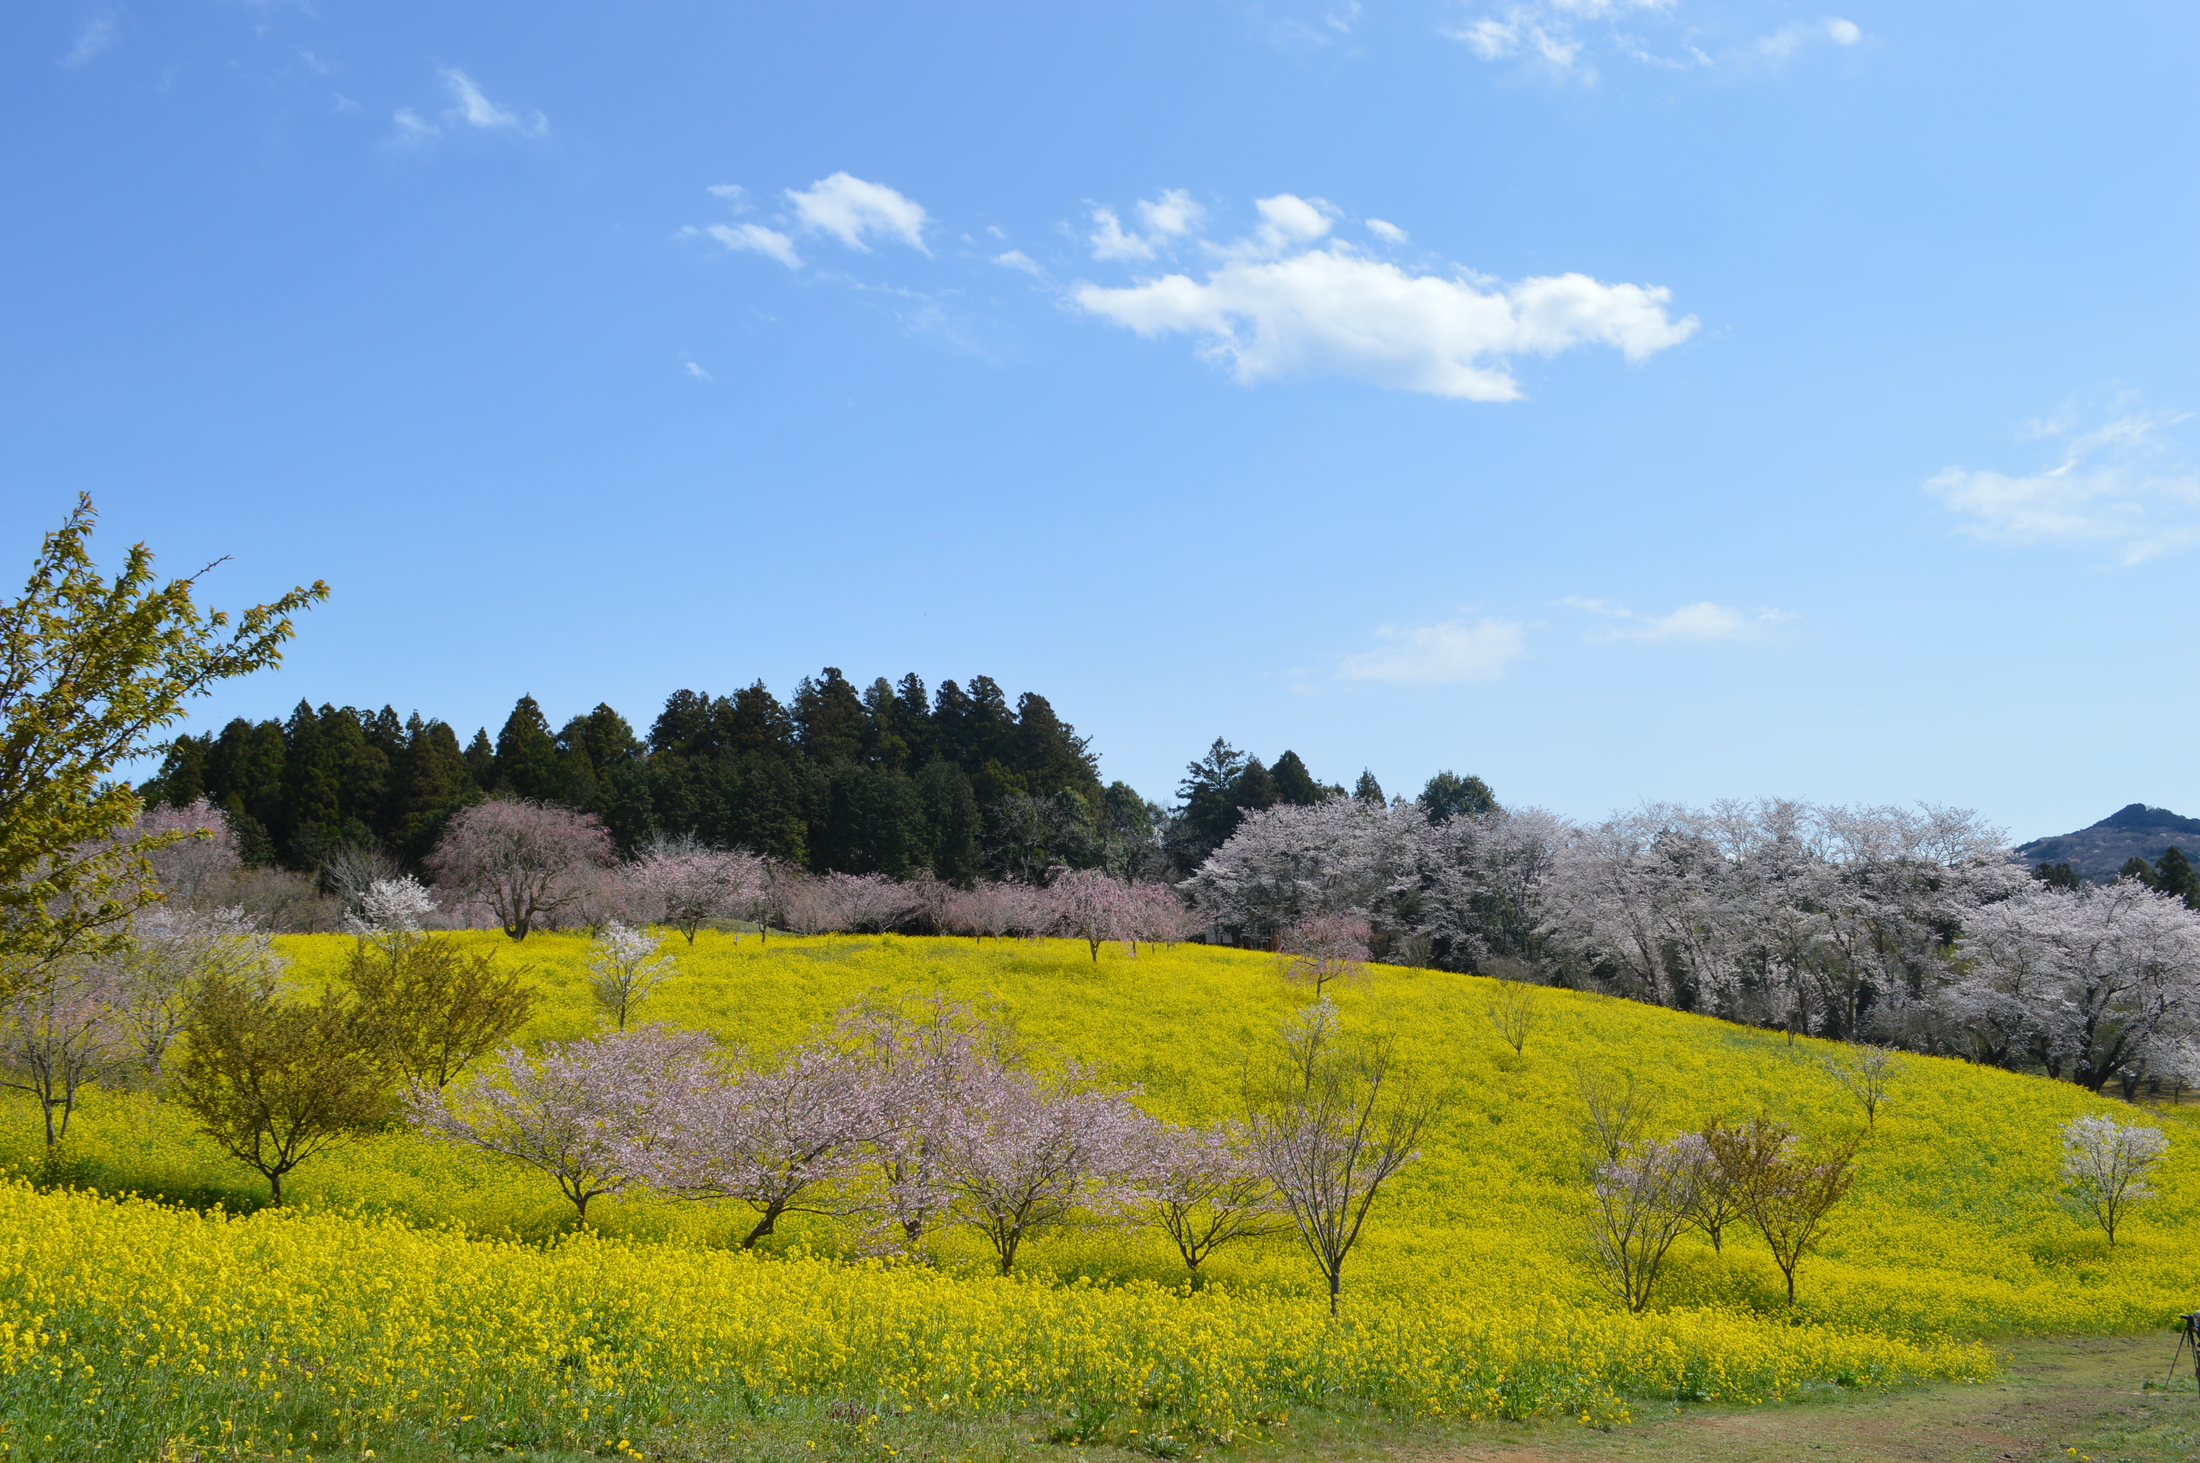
[584, 1112]
[1330, 1120]
[173, 949]
[1324, 948]
[1641, 1201]
[1030, 1150]
[686, 884]
[198, 863]
[866, 903]
[527, 861]
[59, 1034]
[1159, 916]
[994, 909]
[927, 1060]
[1202, 1187]
[1088, 905]
[779, 1138]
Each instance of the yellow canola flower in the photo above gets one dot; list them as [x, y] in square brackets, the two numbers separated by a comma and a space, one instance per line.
[591, 1331]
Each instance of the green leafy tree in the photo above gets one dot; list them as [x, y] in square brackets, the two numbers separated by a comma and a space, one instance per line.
[951, 821]
[430, 783]
[91, 670]
[830, 719]
[1367, 789]
[1448, 796]
[1210, 811]
[312, 816]
[481, 760]
[1294, 784]
[527, 755]
[2058, 876]
[430, 1006]
[276, 1082]
[2173, 874]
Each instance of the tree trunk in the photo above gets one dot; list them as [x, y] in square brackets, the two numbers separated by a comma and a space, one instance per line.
[763, 1226]
[1336, 1285]
[275, 1189]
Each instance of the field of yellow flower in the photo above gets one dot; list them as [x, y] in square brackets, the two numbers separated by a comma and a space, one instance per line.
[415, 1293]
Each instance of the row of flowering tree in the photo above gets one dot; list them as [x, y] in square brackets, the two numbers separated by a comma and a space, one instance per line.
[921, 1115]
[531, 865]
[1913, 927]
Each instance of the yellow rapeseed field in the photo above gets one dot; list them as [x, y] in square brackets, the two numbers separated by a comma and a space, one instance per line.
[378, 1308]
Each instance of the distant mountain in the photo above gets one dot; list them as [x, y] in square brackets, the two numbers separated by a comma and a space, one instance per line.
[2098, 852]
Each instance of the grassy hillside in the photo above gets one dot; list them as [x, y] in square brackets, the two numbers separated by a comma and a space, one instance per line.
[1953, 1226]
[1471, 1293]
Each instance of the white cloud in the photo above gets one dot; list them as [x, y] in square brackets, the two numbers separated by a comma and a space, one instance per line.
[756, 239]
[1789, 39]
[1171, 216]
[731, 193]
[1285, 220]
[1492, 40]
[1271, 312]
[1562, 39]
[1388, 232]
[1109, 241]
[2121, 485]
[1435, 655]
[1018, 259]
[1175, 212]
[478, 111]
[849, 209]
[412, 127]
[1544, 31]
[1701, 621]
[699, 373]
[98, 34]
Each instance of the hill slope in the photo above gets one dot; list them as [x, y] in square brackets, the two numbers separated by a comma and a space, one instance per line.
[136, 1329]
[2133, 831]
[1954, 1224]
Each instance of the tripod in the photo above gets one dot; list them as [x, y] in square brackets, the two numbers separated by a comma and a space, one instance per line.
[2189, 1336]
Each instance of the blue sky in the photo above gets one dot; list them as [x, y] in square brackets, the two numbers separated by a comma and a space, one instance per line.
[1614, 400]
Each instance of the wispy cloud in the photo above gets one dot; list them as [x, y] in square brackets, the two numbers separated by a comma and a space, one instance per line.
[1017, 259]
[852, 210]
[843, 206]
[699, 373]
[1436, 655]
[1703, 620]
[756, 239]
[1325, 26]
[1287, 300]
[414, 128]
[2113, 479]
[1789, 39]
[1387, 231]
[1167, 219]
[1552, 36]
[478, 111]
[470, 108]
[96, 36]
[1563, 40]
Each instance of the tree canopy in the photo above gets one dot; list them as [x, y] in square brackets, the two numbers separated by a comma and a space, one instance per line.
[90, 670]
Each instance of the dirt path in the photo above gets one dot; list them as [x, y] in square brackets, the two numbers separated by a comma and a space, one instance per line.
[2068, 1398]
